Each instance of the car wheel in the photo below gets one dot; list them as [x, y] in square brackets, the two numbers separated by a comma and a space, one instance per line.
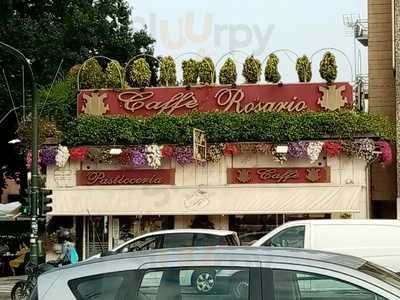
[240, 287]
[203, 281]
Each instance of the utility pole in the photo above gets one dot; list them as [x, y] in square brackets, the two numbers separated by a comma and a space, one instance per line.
[35, 181]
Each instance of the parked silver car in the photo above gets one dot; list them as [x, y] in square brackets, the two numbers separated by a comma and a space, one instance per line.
[247, 273]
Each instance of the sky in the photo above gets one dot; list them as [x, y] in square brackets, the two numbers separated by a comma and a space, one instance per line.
[237, 28]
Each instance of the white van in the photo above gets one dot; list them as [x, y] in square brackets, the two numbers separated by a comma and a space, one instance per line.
[375, 240]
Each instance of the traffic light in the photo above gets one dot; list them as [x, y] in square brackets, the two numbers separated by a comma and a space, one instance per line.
[27, 202]
[45, 200]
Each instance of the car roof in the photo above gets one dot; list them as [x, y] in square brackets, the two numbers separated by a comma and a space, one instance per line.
[347, 222]
[192, 230]
[237, 253]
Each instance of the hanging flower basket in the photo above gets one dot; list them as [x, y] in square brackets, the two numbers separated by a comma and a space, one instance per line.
[167, 151]
[78, 154]
[215, 152]
[125, 157]
[386, 150]
[139, 157]
[231, 149]
[184, 155]
[48, 156]
[314, 150]
[297, 150]
[62, 156]
[153, 156]
[332, 148]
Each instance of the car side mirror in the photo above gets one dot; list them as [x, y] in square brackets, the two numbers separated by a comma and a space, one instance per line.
[107, 253]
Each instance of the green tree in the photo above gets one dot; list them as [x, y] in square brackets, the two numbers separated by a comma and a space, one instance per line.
[73, 30]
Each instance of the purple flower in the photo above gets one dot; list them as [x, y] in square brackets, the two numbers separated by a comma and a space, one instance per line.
[139, 157]
[48, 155]
[184, 155]
[297, 149]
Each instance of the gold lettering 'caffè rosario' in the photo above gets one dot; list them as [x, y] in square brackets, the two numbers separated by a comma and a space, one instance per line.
[251, 188]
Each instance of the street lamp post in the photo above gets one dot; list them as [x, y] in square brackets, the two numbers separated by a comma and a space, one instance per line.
[35, 181]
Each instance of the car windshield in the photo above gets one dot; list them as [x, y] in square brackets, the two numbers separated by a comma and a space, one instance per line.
[380, 273]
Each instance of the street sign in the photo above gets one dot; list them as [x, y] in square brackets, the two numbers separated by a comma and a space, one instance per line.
[199, 145]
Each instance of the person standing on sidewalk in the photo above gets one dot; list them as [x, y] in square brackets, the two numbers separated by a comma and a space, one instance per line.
[68, 254]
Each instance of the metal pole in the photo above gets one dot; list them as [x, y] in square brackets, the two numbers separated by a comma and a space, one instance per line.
[35, 184]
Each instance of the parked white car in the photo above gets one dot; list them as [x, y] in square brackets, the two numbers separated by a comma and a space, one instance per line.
[374, 240]
[176, 238]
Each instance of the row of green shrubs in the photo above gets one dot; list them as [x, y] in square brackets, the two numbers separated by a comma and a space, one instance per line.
[225, 127]
[194, 72]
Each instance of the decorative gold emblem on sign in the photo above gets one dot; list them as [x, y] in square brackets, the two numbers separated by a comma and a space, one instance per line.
[313, 175]
[332, 98]
[94, 104]
[243, 176]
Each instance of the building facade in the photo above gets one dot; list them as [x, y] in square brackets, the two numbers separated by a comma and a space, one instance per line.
[112, 211]
[382, 99]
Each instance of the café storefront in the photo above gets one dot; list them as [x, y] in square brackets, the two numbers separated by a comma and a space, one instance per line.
[250, 188]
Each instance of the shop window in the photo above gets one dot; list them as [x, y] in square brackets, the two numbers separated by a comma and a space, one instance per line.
[292, 237]
[178, 240]
[209, 283]
[292, 285]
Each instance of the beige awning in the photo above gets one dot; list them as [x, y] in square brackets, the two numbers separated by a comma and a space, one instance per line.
[210, 200]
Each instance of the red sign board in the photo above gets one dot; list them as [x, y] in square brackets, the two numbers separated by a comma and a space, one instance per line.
[241, 99]
[126, 177]
[278, 175]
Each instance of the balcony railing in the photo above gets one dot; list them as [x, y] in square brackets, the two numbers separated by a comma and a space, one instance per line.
[361, 31]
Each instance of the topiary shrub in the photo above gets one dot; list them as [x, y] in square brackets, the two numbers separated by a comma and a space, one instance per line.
[167, 71]
[92, 76]
[228, 74]
[207, 71]
[328, 67]
[114, 75]
[271, 69]
[303, 68]
[73, 71]
[140, 73]
[251, 69]
[190, 70]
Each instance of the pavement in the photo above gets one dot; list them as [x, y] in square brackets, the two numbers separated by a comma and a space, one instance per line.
[6, 284]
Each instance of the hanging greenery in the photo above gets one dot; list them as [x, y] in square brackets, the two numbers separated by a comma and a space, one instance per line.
[303, 68]
[140, 73]
[167, 71]
[47, 129]
[271, 69]
[92, 75]
[114, 75]
[251, 69]
[190, 70]
[207, 71]
[225, 127]
[228, 74]
[328, 67]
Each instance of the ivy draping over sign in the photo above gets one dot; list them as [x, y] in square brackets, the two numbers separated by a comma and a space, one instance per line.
[241, 99]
